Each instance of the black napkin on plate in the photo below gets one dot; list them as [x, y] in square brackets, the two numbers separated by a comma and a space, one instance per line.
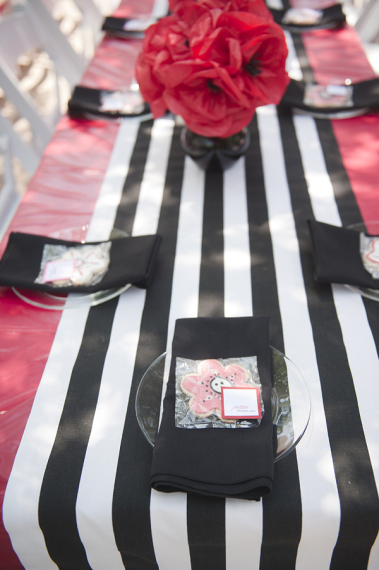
[331, 17]
[336, 256]
[363, 96]
[119, 27]
[219, 462]
[88, 102]
[132, 260]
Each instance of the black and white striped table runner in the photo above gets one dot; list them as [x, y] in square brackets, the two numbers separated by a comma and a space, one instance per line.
[233, 244]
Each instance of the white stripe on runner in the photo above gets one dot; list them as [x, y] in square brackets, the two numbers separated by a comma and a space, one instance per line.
[243, 519]
[357, 336]
[152, 186]
[316, 175]
[238, 292]
[104, 214]
[20, 508]
[186, 277]
[293, 67]
[319, 495]
[168, 512]
[95, 495]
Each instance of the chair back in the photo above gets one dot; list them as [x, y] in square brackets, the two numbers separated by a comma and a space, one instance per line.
[9, 197]
[17, 36]
[30, 28]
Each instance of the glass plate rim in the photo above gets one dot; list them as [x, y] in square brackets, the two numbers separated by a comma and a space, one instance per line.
[70, 302]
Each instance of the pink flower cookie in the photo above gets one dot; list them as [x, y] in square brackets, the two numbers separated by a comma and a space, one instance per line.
[205, 386]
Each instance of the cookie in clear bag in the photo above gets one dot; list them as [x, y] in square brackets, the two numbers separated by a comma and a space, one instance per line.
[63, 266]
[200, 387]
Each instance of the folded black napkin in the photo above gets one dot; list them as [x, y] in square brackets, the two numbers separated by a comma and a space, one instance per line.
[357, 98]
[102, 103]
[128, 28]
[330, 17]
[337, 257]
[219, 462]
[132, 260]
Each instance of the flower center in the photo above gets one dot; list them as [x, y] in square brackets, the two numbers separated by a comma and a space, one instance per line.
[218, 382]
[212, 87]
[254, 67]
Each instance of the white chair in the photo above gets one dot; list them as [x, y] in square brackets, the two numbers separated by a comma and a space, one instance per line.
[367, 24]
[9, 197]
[86, 18]
[25, 153]
[31, 27]
[91, 15]
[69, 63]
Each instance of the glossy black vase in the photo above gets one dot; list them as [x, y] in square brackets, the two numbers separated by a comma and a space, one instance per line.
[213, 152]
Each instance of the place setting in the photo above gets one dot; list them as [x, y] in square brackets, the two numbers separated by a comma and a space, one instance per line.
[106, 104]
[244, 409]
[64, 271]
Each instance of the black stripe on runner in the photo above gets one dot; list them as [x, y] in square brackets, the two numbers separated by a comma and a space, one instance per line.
[263, 276]
[131, 499]
[211, 294]
[281, 532]
[354, 475]
[128, 204]
[206, 532]
[206, 515]
[308, 75]
[347, 204]
[62, 476]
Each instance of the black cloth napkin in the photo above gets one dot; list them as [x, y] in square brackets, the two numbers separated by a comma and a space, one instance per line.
[332, 17]
[365, 96]
[87, 102]
[219, 462]
[336, 256]
[115, 26]
[132, 260]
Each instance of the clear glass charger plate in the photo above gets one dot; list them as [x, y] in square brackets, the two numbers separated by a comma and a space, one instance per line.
[290, 398]
[370, 228]
[58, 302]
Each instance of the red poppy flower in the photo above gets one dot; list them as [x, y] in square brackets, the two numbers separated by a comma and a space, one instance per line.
[213, 63]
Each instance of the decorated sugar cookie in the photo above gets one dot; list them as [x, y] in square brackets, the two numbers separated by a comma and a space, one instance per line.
[89, 263]
[204, 387]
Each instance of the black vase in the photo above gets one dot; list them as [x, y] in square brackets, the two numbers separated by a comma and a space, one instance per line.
[213, 152]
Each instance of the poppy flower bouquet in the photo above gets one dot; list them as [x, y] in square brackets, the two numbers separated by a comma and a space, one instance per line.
[213, 62]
